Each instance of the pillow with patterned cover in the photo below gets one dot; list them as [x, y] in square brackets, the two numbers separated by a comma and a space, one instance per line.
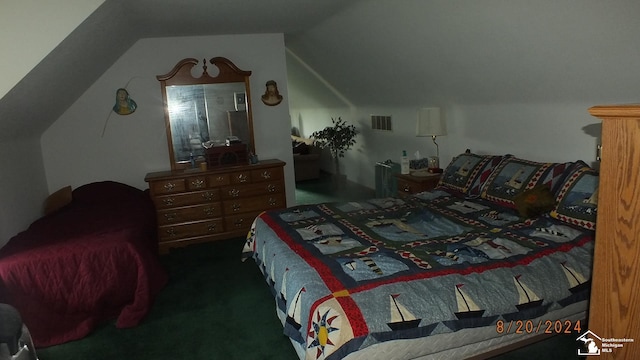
[467, 172]
[578, 197]
[514, 175]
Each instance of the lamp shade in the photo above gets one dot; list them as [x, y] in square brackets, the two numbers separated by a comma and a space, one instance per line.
[430, 123]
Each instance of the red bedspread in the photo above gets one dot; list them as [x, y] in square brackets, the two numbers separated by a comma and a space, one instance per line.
[92, 261]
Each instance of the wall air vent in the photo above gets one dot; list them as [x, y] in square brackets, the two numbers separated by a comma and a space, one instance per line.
[381, 122]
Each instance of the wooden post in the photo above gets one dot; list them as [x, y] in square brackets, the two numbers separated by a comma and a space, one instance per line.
[615, 293]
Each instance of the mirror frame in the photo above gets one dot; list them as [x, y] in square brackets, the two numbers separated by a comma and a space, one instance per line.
[181, 74]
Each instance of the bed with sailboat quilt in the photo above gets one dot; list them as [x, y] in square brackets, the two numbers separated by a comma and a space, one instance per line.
[498, 253]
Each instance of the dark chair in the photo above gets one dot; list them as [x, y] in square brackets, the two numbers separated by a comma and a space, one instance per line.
[306, 159]
[13, 336]
[10, 327]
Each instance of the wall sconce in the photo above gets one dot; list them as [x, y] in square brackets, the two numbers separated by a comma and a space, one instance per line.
[430, 123]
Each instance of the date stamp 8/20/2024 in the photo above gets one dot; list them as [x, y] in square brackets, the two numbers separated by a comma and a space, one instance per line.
[538, 327]
[593, 344]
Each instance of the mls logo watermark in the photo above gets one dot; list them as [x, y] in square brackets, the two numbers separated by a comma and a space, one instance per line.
[595, 345]
[589, 338]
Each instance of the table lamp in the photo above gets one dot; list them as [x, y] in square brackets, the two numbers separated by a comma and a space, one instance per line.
[430, 123]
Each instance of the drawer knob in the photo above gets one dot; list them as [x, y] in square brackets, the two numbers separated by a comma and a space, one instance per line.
[220, 178]
[208, 211]
[243, 178]
[168, 201]
[271, 188]
[170, 216]
[211, 227]
[235, 207]
[266, 174]
[407, 188]
[272, 201]
[171, 232]
[197, 183]
[208, 196]
[169, 186]
[234, 192]
[238, 223]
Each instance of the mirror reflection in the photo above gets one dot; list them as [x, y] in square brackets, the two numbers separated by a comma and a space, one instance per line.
[206, 113]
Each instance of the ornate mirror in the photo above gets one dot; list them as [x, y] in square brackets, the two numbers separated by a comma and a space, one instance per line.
[203, 112]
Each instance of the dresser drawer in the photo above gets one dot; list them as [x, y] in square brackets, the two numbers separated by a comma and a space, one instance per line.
[189, 213]
[215, 180]
[264, 202]
[168, 186]
[240, 177]
[183, 199]
[407, 187]
[199, 228]
[242, 191]
[269, 174]
[196, 182]
[194, 206]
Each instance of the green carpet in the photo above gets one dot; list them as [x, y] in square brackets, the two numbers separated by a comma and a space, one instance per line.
[217, 307]
[214, 307]
[324, 189]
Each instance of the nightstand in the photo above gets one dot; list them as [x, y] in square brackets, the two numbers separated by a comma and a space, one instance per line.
[409, 184]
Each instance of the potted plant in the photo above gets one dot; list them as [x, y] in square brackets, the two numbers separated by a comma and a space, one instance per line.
[338, 138]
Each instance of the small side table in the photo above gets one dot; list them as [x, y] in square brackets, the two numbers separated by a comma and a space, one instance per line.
[409, 184]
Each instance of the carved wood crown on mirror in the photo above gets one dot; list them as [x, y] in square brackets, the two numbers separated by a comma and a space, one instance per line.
[205, 109]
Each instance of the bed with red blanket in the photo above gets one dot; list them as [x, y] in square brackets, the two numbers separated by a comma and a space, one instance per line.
[93, 260]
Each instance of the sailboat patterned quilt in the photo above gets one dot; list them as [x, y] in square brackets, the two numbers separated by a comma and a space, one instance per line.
[349, 275]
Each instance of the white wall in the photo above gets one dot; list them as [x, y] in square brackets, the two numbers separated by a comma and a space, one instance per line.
[54, 20]
[538, 132]
[91, 143]
[22, 186]
[510, 76]
[546, 132]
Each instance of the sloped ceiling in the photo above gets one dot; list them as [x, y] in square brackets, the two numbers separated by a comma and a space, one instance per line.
[374, 52]
[403, 53]
[63, 75]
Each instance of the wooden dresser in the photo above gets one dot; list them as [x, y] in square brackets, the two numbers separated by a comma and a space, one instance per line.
[614, 310]
[198, 206]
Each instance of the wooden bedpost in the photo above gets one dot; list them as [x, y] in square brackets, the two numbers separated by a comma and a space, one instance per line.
[615, 293]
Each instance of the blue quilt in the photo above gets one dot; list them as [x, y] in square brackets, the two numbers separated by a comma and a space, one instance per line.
[349, 275]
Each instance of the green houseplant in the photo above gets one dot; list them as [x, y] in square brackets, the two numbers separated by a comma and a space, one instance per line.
[338, 137]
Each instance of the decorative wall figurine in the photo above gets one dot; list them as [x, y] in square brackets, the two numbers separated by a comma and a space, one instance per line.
[124, 104]
[271, 97]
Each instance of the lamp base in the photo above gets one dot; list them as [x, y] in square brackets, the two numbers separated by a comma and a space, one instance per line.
[434, 165]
